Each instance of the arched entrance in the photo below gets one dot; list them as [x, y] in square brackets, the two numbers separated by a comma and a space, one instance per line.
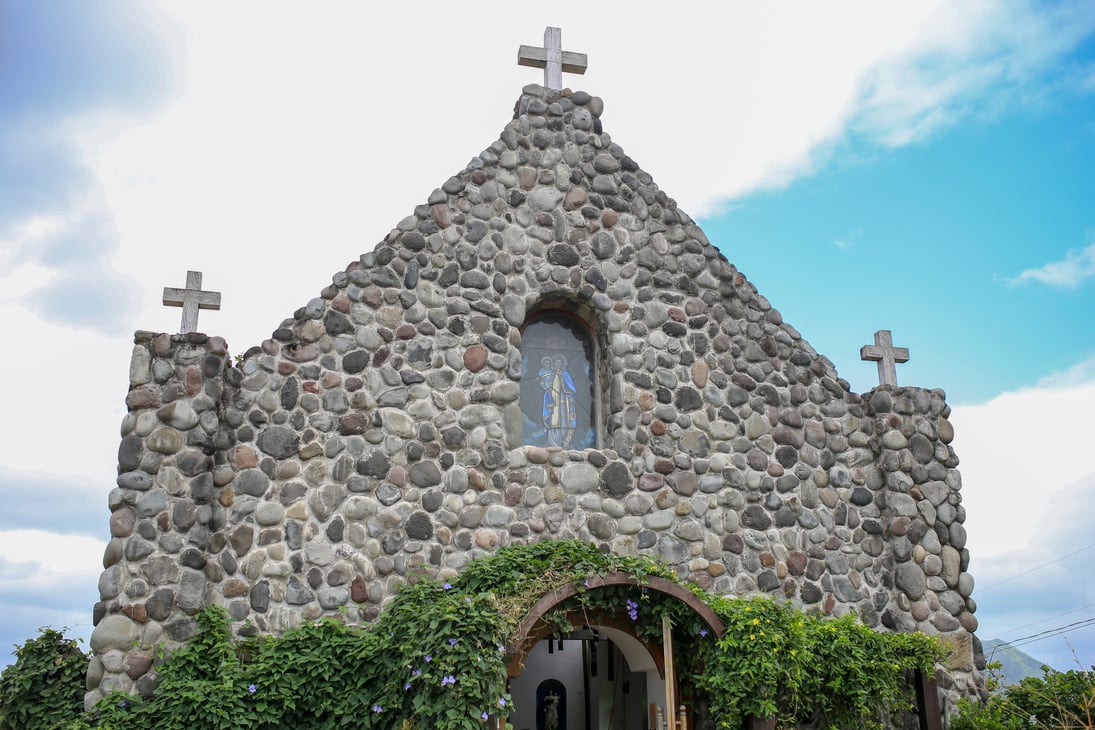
[610, 677]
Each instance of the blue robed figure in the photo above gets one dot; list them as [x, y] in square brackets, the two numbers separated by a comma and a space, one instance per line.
[560, 412]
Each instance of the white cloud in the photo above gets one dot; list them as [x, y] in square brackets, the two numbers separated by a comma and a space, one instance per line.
[1029, 495]
[969, 58]
[1076, 267]
[1017, 452]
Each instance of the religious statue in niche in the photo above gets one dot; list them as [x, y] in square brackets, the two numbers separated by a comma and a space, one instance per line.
[557, 383]
[560, 418]
[551, 705]
[551, 711]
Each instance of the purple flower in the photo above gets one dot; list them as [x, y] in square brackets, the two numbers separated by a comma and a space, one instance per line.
[501, 649]
[448, 679]
[484, 715]
[447, 586]
[378, 709]
[586, 582]
[416, 673]
[121, 704]
[703, 632]
[632, 610]
[407, 686]
[251, 688]
[501, 701]
[429, 658]
[452, 642]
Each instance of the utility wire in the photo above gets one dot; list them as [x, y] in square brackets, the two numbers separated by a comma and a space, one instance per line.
[979, 591]
[1043, 620]
[1048, 633]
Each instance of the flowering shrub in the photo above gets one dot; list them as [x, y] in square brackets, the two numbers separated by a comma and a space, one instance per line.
[436, 656]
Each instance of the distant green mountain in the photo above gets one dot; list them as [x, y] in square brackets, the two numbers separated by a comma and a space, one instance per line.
[1016, 664]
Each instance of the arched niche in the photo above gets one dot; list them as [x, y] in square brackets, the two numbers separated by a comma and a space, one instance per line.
[561, 380]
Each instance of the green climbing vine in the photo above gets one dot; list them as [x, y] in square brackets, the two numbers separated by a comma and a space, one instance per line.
[45, 685]
[436, 658]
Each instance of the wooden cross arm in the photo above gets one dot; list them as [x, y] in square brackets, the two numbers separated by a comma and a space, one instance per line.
[573, 63]
[874, 352]
[173, 297]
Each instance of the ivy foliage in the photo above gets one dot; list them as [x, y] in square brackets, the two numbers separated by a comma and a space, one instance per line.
[1054, 701]
[436, 657]
[776, 662]
[44, 688]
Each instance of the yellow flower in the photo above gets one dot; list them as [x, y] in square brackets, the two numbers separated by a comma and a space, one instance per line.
[752, 637]
[756, 621]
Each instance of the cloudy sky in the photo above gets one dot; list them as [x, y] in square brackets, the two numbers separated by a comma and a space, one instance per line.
[927, 168]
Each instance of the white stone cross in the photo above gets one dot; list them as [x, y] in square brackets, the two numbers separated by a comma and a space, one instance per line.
[191, 299]
[552, 58]
[886, 355]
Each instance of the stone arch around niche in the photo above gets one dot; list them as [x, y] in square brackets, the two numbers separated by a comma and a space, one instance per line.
[563, 376]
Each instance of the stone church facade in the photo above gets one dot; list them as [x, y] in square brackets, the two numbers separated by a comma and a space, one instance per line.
[414, 417]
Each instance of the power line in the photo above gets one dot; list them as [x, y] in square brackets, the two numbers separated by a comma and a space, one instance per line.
[1043, 620]
[1048, 633]
[1026, 572]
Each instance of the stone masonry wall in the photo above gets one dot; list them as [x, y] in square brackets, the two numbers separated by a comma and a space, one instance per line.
[376, 435]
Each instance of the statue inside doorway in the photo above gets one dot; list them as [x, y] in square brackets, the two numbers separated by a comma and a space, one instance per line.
[551, 705]
[551, 711]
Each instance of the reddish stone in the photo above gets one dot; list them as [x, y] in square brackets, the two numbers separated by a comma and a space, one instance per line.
[440, 215]
[646, 400]
[372, 296]
[657, 428]
[341, 303]
[477, 480]
[162, 521]
[353, 423]
[775, 470]
[330, 380]
[227, 497]
[651, 482]
[828, 604]
[677, 314]
[311, 386]
[286, 368]
[358, 592]
[900, 526]
[537, 455]
[609, 218]
[137, 664]
[796, 563]
[137, 612]
[122, 522]
[575, 198]
[663, 466]
[767, 559]
[475, 357]
[147, 396]
[234, 588]
[193, 380]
